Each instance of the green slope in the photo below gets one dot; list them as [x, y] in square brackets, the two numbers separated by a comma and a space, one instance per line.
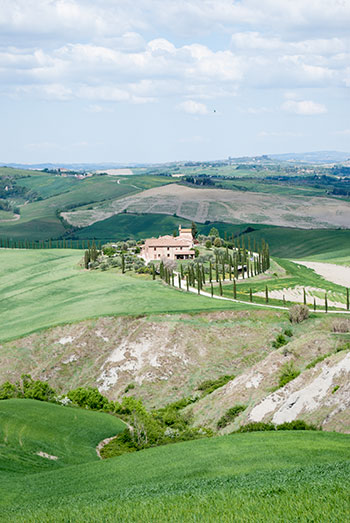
[281, 476]
[40, 219]
[30, 426]
[284, 242]
[42, 288]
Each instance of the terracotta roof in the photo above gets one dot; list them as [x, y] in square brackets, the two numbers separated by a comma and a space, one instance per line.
[168, 241]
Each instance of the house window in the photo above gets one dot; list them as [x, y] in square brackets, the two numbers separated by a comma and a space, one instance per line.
[167, 248]
[168, 255]
[154, 248]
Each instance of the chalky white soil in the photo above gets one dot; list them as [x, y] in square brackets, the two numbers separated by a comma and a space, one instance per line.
[330, 271]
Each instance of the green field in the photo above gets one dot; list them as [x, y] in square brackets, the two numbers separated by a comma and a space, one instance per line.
[291, 275]
[284, 242]
[40, 218]
[71, 434]
[42, 288]
[279, 476]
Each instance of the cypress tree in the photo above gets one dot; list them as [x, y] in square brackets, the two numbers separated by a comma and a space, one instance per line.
[210, 271]
[179, 280]
[153, 272]
[187, 283]
[220, 285]
[347, 299]
[211, 289]
[172, 279]
[230, 271]
[267, 295]
[223, 271]
[123, 263]
[326, 302]
[203, 275]
[86, 259]
[182, 271]
[217, 272]
[250, 294]
[314, 304]
[304, 295]
[234, 290]
[199, 287]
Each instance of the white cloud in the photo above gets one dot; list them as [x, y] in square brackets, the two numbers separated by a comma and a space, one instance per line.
[304, 107]
[192, 107]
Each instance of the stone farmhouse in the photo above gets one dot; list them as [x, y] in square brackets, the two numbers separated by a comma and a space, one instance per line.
[169, 247]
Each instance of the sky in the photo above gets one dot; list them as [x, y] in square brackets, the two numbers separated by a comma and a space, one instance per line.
[133, 81]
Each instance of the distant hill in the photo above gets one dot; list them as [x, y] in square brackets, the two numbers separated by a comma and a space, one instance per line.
[320, 157]
[312, 157]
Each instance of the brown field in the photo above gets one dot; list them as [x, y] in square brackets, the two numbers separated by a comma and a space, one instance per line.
[224, 205]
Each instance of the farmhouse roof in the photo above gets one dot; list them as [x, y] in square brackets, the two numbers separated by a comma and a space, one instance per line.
[168, 241]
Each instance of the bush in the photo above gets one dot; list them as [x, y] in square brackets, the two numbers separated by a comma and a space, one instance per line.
[290, 425]
[230, 415]
[288, 332]
[288, 373]
[298, 313]
[257, 427]
[217, 242]
[341, 326]
[208, 386]
[208, 244]
[90, 398]
[279, 341]
[297, 424]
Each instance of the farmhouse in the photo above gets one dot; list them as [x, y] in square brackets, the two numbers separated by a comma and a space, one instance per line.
[175, 248]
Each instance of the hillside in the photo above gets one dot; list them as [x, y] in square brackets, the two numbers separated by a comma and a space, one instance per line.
[41, 288]
[232, 206]
[39, 437]
[244, 475]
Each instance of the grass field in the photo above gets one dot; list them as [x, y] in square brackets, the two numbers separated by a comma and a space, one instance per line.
[70, 434]
[284, 242]
[39, 218]
[281, 476]
[293, 275]
[42, 288]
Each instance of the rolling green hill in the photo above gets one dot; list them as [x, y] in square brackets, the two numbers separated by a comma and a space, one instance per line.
[40, 216]
[284, 242]
[280, 476]
[42, 288]
[69, 434]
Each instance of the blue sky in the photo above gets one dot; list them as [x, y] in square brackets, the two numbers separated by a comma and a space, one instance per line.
[162, 80]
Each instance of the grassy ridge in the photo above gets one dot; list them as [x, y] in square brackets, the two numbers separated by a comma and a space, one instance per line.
[42, 288]
[252, 477]
[30, 426]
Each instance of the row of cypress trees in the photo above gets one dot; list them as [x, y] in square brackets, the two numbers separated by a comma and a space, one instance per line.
[46, 244]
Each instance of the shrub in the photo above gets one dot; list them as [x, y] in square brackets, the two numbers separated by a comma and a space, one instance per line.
[217, 242]
[297, 424]
[290, 425]
[298, 313]
[208, 386]
[129, 387]
[230, 415]
[314, 362]
[341, 326]
[256, 427]
[279, 341]
[335, 389]
[288, 332]
[288, 373]
[208, 244]
[89, 397]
